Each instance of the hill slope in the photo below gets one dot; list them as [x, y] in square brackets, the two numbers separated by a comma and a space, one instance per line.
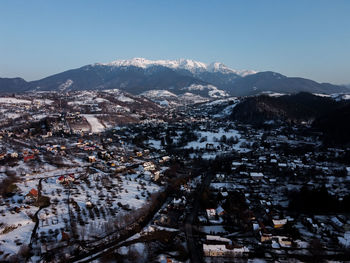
[335, 125]
[9, 85]
[301, 107]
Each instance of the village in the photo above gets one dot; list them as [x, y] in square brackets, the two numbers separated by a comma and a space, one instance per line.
[172, 184]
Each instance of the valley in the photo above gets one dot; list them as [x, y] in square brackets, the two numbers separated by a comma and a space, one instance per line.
[104, 174]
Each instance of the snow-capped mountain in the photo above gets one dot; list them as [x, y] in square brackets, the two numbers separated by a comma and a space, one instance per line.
[186, 64]
[180, 76]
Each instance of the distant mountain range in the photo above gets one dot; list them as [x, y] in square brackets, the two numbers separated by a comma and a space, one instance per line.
[181, 76]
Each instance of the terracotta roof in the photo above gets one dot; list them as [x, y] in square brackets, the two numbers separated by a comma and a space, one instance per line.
[33, 192]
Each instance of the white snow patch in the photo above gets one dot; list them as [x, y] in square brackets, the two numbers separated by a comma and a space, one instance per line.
[65, 85]
[95, 124]
[213, 91]
[14, 101]
[123, 98]
[272, 94]
[157, 93]
[189, 98]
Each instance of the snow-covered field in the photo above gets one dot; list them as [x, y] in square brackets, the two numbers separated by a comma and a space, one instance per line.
[155, 144]
[190, 98]
[226, 111]
[84, 101]
[272, 93]
[213, 91]
[16, 226]
[110, 198]
[212, 138]
[96, 125]
[220, 101]
[217, 140]
[158, 93]
[14, 101]
[124, 98]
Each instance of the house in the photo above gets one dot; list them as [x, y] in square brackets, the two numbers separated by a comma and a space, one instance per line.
[165, 159]
[278, 223]
[256, 227]
[70, 177]
[265, 237]
[164, 259]
[284, 241]
[156, 175]
[235, 165]
[209, 146]
[224, 250]
[65, 179]
[60, 179]
[92, 159]
[64, 236]
[262, 159]
[211, 213]
[257, 176]
[89, 148]
[220, 177]
[14, 155]
[33, 193]
[112, 164]
[28, 157]
[149, 166]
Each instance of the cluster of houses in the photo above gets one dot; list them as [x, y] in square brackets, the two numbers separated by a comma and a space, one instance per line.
[265, 177]
[216, 246]
[25, 155]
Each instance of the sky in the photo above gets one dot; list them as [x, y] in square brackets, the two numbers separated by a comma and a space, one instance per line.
[304, 38]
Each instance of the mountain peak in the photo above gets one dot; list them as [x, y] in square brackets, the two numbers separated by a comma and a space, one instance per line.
[218, 67]
[187, 64]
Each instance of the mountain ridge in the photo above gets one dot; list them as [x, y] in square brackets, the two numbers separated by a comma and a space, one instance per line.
[187, 64]
[139, 75]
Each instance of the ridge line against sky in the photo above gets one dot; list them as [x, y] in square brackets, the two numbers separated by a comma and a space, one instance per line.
[298, 38]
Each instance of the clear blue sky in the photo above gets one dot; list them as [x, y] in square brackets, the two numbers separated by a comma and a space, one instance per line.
[307, 38]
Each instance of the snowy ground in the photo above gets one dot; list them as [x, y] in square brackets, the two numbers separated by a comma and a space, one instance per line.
[113, 197]
[96, 125]
[212, 138]
[16, 227]
[14, 101]
[129, 191]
